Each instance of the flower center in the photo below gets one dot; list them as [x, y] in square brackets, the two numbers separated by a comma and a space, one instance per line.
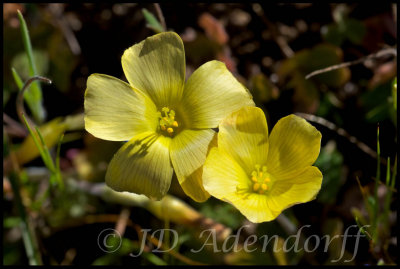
[260, 179]
[261, 182]
[167, 121]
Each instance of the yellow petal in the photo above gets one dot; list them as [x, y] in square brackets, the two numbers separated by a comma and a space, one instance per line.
[222, 174]
[142, 166]
[193, 186]
[244, 136]
[156, 66]
[300, 189]
[212, 93]
[294, 145]
[221, 177]
[115, 111]
[256, 208]
[188, 153]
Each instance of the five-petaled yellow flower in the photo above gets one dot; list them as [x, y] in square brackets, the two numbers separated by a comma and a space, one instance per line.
[260, 175]
[167, 122]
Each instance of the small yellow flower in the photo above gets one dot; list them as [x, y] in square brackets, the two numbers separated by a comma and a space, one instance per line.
[260, 175]
[167, 122]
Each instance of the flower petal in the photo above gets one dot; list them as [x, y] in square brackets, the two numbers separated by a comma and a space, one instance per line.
[212, 93]
[300, 189]
[115, 111]
[294, 145]
[188, 153]
[156, 66]
[221, 176]
[256, 208]
[244, 136]
[193, 186]
[142, 166]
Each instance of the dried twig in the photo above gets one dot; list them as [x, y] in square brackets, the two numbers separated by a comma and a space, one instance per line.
[57, 11]
[120, 226]
[13, 127]
[344, 133]
[20, 98]
[280, 40]
[373, 56]
[160, 15]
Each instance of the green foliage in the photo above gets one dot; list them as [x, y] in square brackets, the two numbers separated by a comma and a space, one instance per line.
[224, 213]
[330, 162]
[152, 21]
[350, 29]
[378, 217]
[378, 102]
[54, 168]
[306, 61]
[21, 63]
[344, 28]
[34, 96]
[262, 89]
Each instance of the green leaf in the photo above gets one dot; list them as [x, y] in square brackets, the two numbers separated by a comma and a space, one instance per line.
[330, 162]
[35, 101]
[354, 30]
[17, 79]
[332, 34]
[11, 222]
[152, 21]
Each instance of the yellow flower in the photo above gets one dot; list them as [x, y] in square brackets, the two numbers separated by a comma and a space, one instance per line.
[167, 122]
[260, 175]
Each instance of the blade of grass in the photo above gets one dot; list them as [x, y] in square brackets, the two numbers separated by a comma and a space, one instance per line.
[49, 160]
[152, 21]
[34, 138]
[17, 79]
[34, 96]
[55, 177]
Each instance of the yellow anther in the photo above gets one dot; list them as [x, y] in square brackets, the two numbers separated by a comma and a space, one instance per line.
[167, 120]
[256, 186]
[260, 179]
